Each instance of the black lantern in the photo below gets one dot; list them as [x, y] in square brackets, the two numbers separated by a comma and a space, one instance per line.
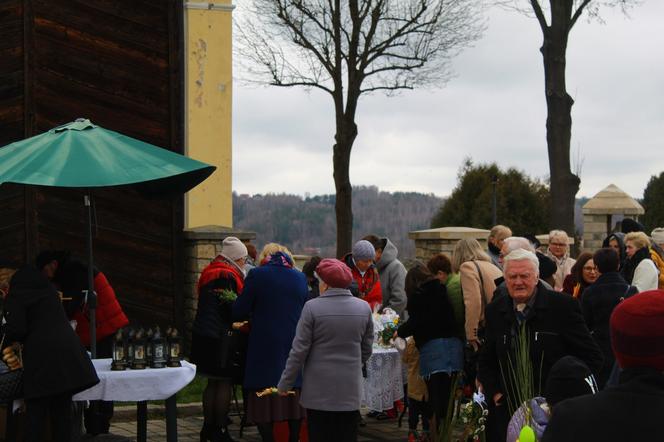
[119, 356]
[148, 347]
[129, 346]
[174, 349]
[139, 362]
[159, 350]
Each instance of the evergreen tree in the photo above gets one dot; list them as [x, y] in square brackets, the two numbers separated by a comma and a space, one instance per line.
[523, 203]
[653, 202]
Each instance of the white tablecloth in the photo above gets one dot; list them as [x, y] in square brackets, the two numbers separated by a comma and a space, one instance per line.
[384, 382]
[137, 385]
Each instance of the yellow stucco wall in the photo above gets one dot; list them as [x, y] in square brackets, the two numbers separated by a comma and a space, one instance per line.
[209, 101]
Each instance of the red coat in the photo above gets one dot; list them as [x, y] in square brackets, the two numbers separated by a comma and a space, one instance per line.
[368, 285]
[109, 314]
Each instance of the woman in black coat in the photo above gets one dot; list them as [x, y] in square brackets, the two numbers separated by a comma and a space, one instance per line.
[432, 325]
[55, 364]
[598, 303]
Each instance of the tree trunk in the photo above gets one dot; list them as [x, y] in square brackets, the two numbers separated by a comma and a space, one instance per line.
[564, 184]
[345, 137]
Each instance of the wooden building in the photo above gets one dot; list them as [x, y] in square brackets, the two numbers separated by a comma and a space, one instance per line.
[120, 64]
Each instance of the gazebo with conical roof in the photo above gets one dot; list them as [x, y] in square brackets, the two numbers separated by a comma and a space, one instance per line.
[599, 212]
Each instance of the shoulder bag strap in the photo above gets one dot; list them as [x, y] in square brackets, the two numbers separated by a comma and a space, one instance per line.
[479, 272]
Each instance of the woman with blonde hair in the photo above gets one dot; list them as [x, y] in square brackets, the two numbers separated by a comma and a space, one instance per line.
[639, 270]
[558, 250]
[478, 275]
[273, 296]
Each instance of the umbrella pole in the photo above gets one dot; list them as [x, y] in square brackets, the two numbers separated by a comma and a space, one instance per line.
[92, 295]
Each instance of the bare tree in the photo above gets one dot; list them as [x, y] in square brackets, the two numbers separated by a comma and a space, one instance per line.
[348, 48]
[556, 28]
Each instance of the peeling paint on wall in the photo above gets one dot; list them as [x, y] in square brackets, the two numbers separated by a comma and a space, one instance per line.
[200, 56]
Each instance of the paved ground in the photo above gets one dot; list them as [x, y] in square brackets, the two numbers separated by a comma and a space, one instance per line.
[190, 423]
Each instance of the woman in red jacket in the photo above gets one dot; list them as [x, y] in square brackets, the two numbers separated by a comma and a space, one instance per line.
[366, 283]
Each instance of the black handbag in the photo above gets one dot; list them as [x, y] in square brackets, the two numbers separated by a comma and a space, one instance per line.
[232, 354]
[11, 385]
[11, 382]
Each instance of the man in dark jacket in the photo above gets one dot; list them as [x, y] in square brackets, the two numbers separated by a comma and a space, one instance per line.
[598, 302]
[632, 410]
[554, 326]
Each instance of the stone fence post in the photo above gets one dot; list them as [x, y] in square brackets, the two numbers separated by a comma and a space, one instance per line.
[442, 240]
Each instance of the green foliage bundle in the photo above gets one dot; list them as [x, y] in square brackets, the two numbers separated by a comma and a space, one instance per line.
[653, 202]
[523, 203]
[519, 375]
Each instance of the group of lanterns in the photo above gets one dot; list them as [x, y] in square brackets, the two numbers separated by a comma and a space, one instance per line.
[140, 349]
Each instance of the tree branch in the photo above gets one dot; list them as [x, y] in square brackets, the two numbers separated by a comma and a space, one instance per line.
[302, 83]
[540, 14]
[578, 13]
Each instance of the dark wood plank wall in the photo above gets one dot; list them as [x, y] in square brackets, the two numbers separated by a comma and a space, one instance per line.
[116, 62]
[12, 198]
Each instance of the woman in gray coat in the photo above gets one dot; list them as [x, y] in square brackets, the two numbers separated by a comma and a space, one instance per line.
[334, 338]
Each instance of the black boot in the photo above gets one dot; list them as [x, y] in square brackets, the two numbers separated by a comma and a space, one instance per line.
[225, 435]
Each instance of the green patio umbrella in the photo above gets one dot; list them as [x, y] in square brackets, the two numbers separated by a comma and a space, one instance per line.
[85, 156]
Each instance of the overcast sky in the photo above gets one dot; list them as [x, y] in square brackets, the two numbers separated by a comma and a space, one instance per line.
[493, 111]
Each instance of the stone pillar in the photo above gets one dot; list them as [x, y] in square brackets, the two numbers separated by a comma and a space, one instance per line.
[599, 211]
[202, 245]
[442, 240]
[595, 229]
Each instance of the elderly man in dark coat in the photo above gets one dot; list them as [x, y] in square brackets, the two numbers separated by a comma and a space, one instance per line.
[334, 338]
[554, 326]
[632, 410]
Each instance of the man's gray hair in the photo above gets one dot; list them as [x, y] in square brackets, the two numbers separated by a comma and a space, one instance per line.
[522, 255]
[518, 242]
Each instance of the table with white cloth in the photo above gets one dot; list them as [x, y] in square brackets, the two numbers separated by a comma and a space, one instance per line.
[141, 386]
[384, 382]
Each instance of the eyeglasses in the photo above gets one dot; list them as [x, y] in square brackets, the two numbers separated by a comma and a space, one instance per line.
[558, 244]
[590, 269]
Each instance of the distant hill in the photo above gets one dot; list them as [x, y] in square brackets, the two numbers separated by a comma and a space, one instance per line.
[307, 225]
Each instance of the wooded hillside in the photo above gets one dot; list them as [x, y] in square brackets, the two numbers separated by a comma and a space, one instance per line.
[306, 224]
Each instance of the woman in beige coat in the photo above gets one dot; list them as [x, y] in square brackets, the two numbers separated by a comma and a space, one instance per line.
[478, 274]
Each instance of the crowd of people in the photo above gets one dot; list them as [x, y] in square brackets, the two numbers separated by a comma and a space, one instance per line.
[587, 330]
[462, 317]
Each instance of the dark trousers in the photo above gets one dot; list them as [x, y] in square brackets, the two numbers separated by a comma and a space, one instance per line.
[497, 421]
[59, 409]
[332, 426]
[415, 410]
[439, 386]
[97, 417]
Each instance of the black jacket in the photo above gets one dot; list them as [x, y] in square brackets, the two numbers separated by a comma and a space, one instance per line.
[54, 361]
[430, 314]
[631, 411]
[214, 317]
[555, 327]
[598, 303]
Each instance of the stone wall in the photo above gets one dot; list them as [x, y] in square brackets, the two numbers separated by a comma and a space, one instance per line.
[201, 246]
[442, 240]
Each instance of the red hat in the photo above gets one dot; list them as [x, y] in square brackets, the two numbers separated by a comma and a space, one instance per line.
[637, 330]
[334, 273]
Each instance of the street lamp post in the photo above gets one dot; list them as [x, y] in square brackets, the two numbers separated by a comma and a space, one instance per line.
[494, 218]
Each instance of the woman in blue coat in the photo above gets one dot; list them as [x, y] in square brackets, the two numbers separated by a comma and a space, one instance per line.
[272, 300]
